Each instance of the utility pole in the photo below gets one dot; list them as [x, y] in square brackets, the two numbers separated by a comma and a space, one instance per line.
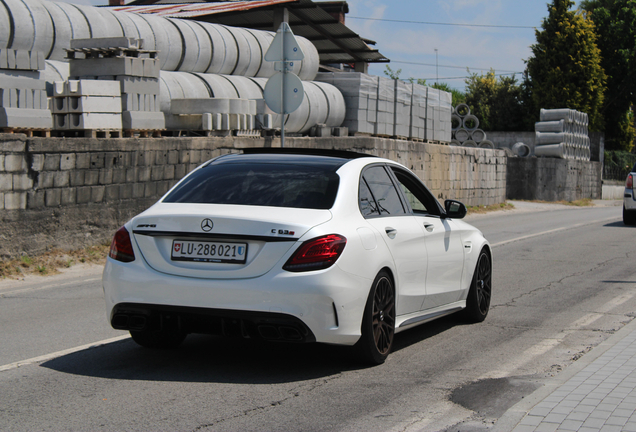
[436, 68]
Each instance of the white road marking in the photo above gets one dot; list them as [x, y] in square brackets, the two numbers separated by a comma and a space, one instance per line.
[548, 343]
[51, 356]
[501, 243]
[49, 286]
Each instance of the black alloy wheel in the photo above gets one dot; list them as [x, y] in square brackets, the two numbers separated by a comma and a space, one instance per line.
[478, 301]
[378, 323]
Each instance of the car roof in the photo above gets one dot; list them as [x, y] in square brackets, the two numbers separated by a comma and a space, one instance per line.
[330, 160]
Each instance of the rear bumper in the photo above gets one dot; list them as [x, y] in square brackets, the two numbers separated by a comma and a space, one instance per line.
[231, 323]
[323, 306]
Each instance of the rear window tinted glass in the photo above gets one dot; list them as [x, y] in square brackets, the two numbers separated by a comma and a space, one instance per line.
[276, 185]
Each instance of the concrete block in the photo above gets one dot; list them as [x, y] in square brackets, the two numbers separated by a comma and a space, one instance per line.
[35, 199]
[3, 63]
[150, 68]
[83, 195]
[125, 191]
[91, 177]
[52, 162]
[37, 162]
[97, 193]
[6, 182]
[15, 200]
[87, 104]
[114, 66]
[128, 43]
[105, 176]
[82, 160]
[67, 161]
[141, 120]
[138, 190]
[61, 179]
[22, 182]
[14, 163]
[111, 193]
[151, 189]
[141, 85]
[53, 197]
[84, 87]
[69, 196]
[22, 60]
[25, 118]
[91, 121]
[77, 178]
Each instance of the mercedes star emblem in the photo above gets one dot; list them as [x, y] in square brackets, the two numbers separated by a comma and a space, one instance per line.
[206, 225]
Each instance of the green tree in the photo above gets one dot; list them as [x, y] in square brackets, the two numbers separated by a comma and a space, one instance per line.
[615, 22]
[497, 102]
[565, 69]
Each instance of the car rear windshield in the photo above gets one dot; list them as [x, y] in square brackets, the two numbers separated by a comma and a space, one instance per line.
[259, 184]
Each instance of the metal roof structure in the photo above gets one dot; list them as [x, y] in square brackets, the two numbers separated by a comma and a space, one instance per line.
[336, 43]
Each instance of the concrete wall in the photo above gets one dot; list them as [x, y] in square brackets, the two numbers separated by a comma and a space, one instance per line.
[550, 179]
[75, 192]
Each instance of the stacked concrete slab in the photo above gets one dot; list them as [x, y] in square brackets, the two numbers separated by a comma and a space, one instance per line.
[136, 70]
[23, 100]
[221, 115]
[384, 126]
[81, 105]
[402, 109]
[419, 102]
[360, 92]
[385, 107]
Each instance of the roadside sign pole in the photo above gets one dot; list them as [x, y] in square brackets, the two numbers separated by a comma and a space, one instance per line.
[278, 97]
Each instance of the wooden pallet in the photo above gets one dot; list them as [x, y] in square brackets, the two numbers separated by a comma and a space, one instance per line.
[143, 133]
[30, 133]
[399, 137]
[92, 53]
[195, 133]
[88, 133]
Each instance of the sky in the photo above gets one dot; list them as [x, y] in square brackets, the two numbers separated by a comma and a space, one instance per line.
[477, 48]
[458, 47]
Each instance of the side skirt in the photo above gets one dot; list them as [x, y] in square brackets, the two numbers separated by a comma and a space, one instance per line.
[405, 322]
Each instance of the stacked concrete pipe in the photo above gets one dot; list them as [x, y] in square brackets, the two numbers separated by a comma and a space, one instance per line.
[465, 127]
[323, 103]
[562, 133]
[184, 45]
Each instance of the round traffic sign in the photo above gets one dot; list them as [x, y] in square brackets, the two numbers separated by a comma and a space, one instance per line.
[291, 97]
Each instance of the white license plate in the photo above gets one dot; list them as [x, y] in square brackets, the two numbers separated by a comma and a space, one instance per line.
[203, 251]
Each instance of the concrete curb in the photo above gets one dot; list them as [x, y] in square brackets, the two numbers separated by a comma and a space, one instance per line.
[515, 414]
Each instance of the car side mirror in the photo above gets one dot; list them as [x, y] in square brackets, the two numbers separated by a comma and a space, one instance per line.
[455, 209]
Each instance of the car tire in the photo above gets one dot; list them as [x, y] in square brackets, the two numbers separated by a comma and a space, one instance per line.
[629, 216]
[378, 322]
[478, 300]
[158, 339]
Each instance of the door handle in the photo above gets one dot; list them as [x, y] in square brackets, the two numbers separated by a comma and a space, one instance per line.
[391, 232]
[429, 227]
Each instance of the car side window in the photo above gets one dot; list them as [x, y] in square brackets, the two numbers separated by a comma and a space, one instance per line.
[387, 199]
[368, 207]
[420, 200]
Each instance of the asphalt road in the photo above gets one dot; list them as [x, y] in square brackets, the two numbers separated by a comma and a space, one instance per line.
[563, 282]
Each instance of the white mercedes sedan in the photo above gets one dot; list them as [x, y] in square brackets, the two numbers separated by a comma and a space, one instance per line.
[300, 246]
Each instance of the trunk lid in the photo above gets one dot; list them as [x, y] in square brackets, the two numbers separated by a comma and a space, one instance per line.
[178, 239]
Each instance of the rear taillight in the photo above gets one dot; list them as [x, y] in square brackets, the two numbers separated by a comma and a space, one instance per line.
[121, 248]
[630, 182]
[316, 254]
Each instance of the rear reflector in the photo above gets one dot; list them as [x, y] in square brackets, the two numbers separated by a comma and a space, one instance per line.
[316, 254]
[630, 182]
[121, 247]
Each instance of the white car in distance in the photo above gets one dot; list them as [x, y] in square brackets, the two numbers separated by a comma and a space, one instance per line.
[299, 246]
